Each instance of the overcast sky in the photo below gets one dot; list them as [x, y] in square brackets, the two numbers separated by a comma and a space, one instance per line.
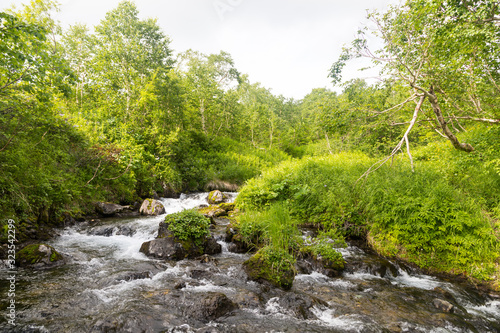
[287, 45]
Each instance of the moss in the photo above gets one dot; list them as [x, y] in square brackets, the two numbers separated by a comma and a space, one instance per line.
[325, 255]
[31, 255]
[275, 267]
[55, 256]
[227, 206]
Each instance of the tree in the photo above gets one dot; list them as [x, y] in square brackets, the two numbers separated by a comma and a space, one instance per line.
[209, 81]
[129, 53]
[446, 53]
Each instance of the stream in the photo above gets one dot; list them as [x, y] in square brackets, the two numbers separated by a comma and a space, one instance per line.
[109, 286]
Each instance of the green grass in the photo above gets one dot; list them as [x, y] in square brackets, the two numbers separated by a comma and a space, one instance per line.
[442, 217]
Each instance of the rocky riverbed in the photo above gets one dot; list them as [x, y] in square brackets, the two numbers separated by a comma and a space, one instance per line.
[108, 285]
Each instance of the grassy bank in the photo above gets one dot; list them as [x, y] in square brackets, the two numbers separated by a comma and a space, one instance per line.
[444, 217]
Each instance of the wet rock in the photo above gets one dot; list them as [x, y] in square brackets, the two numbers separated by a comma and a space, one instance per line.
[235, 240]
[108, 209]
[164, 248]
[374, 266]
[212, 212]
[199, 274]
[129, 213]
[308, 263]
[211, 306]
[134, 276]
[39, 256]
[152, 207]
[180, 285]
[206, 259]
[124, 231]
[101, 231]
[212, 247]
[300, 305]
[247, 299]
[443, 305]
[216, 197]
[170, 248]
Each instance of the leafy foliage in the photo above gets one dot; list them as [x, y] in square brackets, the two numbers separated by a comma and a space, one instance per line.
[188, 225]
[437, 217]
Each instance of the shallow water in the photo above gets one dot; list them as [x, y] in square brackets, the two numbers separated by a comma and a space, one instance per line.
[109, 286]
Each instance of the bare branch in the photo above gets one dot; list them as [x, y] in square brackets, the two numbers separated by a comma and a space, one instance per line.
[95, 173]
[16, 80]
[399, 106]
[8, 142]
[485, 120]
[491, 79]
[380, 163]
[36, 144]
[437, 131]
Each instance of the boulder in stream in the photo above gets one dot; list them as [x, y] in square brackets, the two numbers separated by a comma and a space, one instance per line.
[109, 209]
[261, 268]
[443, 305]
[216, 197]
[168, 247]
[152, 207]
[39, 256]
[107, 231]
[211, 306]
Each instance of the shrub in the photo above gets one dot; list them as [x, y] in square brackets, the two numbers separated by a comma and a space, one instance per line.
[188, 225]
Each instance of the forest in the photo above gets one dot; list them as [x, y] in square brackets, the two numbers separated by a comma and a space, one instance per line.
[410, 165]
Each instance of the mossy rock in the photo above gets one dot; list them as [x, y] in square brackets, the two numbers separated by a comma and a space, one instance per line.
[39, 256]
[320, 258]
[226, 206]
[327, 257]
[152, 207]
[169, 247]
[212, 211]
[271, 266]
[216, 197]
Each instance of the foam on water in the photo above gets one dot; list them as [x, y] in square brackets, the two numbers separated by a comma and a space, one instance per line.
[83, 246]
[345, 322]
[490, 309]
[362, 276]
[274, 308]
[417, 281]
[208, 286]
[189, 201]
[118, 246]
[319, 278]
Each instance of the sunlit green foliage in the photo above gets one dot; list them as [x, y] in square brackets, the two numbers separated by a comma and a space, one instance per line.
[188, 225]
[439, 217]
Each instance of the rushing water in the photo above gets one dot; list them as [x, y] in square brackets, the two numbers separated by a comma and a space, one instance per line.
[109, 286]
